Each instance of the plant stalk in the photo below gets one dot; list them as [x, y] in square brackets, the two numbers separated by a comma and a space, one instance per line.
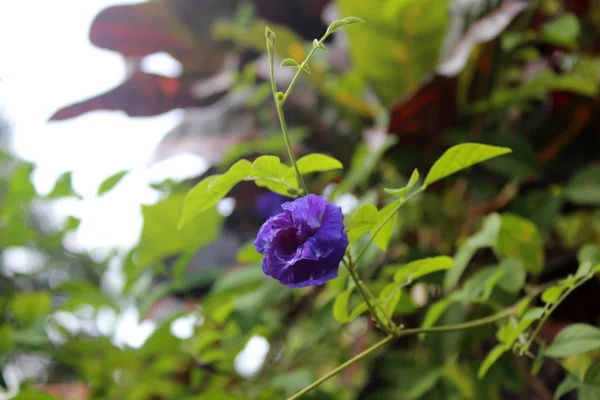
[448, 328]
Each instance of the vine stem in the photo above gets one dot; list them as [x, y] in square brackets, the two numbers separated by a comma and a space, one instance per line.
[279, 105]
[385, 221]
[300, 69]
[342, 367]
[366, 297]
[550, 310]
[448, 328]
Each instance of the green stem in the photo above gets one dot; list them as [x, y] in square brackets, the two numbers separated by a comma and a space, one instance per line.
[449, 328]
[300, 69]
[279, 103]
[342, 367]
[288, 145]
[366, 298]
[550, 310]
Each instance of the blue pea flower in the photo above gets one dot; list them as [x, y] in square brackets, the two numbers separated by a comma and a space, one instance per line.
[303, 245]
[269, 204]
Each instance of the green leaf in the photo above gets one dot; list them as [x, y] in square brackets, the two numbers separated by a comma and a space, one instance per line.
[336, 25]
[29, 307]
[340, 306]
[63, 187]
[460, 157]
[71, 224]
[574, 339]
[210, 190]
[436, 310]
[563, 30]
[591, 383]
[520, 238]
[414, 178]
[267, 167]
[487, 236]
[416, 269]
[364, 219]
[569, 384]
[162, 238]
[389, 298]
[552, 294]
[316, 163]
[385, 233]
[491, 359]
[109, 183]
[360, 309]
[290, 62]
[514, 275]
[412, 38]
[589, 253]
[584, 186]
[480, 286]
[248, 254]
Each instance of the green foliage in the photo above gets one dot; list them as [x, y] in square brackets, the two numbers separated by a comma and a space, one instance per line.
[454, 274]
[410, 31]
[460, 157]
[519, 238]
[574, 339]
[63, 187]
[563, 31]
[109, 183]
[402, 192]
[160, 237]
[584, 186]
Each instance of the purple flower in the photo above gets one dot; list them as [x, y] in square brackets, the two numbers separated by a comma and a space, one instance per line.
[269, 204]
[303, 245]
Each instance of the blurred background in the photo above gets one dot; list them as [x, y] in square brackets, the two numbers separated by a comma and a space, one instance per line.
[111, 111]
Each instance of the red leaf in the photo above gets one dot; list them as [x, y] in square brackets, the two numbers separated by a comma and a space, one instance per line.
[142, 95]
[137, 30]
[429, 110]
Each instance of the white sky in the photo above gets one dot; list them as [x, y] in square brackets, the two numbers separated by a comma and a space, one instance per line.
[47, 62]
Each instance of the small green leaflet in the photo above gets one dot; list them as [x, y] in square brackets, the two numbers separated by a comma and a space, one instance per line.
[385, 232]
[491, 358]
[364, 219]
[109, 183]
[63, 187]
[316, 163]
[336, 25]
[414, 178]
[290, 62]
[416, 269]
[210, 190]
[552, 294]
[460, 157]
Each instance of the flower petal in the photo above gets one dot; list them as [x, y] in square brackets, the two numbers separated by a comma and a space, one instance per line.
[269, 230]
[306, 213]
[330, 231]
